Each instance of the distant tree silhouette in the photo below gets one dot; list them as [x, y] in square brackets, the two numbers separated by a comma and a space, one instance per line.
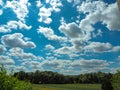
[106, 85]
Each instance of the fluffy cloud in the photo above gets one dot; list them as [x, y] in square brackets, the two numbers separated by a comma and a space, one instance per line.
[64, 50]
[1, 4]
[2, 49]
[32, 64]
[101, 47]
[111, 19]
[14, 25]
[72, 67]
[49, 47]
[69, 1]
[45, 14]
[68, 30]
[90, 64]
[19, 8]
[55, 64]
[6, 60]
[49, 33]
[98, 47]
[98, 11]
[20, 54]
[76, 35]
[16, 40]
[55, 4]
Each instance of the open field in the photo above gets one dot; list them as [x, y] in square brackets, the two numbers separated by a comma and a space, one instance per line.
[67, 87]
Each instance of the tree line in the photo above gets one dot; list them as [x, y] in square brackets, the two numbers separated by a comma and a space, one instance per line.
[49, 77]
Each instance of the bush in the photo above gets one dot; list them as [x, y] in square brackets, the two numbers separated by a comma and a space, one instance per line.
[8, 82]
[116, 80]
[106, 85]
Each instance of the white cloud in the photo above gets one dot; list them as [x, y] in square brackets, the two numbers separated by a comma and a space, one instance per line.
[14, 25]
[49, 47]
[65, 50]
[45, 14]
[90, 64]
[19, 7]
[99, 11]
[39, 4]
[101, 47]
[68, 30]
[115, 49]
[5, 60]
[69, 1]
[1, 12]
[19, 68]
[98, 47]
[55, 64]
[16, 40]
[112, 17]
[72, 67]
[77, 37]
[74, 32]
[20, 54]
[55, 4]
[2, 49]
[32, 64]
[1, 4]
[49, 33]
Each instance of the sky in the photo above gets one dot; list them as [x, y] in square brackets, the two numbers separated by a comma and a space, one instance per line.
[66, 36]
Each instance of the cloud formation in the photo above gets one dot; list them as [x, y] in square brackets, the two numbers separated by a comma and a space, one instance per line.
[16, 40]
[49, 33]
[14, 25]
[2, 49]
[5, 60]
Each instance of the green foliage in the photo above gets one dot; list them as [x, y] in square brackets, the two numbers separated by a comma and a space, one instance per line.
[106, 85]
[67, 87]
[116, 80]
[49, 77]
[8, 82]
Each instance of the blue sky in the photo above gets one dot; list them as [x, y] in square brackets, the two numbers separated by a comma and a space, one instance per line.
[65, 36]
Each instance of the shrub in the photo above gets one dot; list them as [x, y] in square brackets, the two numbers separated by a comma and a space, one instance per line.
[106, 85]
[8, 82]
[116, 80]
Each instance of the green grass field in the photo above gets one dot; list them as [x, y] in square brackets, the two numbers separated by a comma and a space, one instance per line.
[67, 87]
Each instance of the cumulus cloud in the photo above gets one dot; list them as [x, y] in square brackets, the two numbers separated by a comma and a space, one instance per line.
[19, 8]
[55, 64]
[2, 49]
[99, 11]
[32, 64]
[68, 30]
[98, 47]
[68, 66]
[13, 25]
[76, 35]
[20, 54]
[112, 19]
[90, 64]
[16, 40]
[45, 14]
[1, 4]
[65, 50]
[55, 5]
[5, 60]
[49, 33]
[49, 47]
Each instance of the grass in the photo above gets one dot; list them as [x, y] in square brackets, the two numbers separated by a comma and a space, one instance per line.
[67, 87]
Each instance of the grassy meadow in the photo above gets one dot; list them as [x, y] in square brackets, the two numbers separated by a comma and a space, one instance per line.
[67, 87]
